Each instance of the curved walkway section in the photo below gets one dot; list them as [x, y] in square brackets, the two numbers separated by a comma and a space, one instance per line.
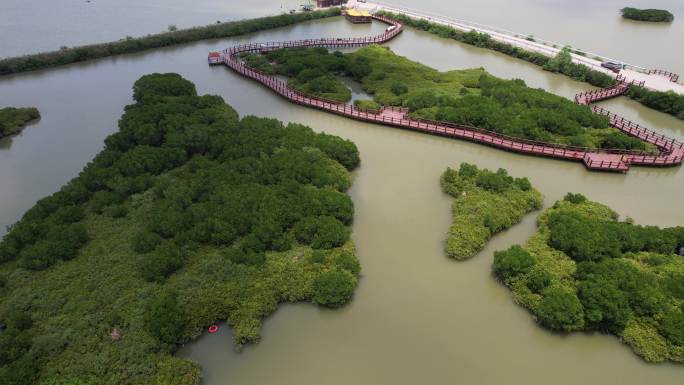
[671, 152]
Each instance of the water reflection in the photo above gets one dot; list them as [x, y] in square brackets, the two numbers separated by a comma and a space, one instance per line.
[357, 92]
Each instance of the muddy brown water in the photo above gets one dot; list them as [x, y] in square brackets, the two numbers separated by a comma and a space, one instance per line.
[417, 317]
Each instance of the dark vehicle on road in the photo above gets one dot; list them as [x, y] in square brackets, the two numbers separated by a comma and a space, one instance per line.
[612, 65]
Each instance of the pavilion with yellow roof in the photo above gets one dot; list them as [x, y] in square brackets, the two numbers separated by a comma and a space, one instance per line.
[357, 16]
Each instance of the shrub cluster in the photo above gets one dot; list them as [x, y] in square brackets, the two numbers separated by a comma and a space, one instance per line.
[368, 105]
[183, 183]
[333, 288]
[562, 63]
[485, 203]
[131, 45]
[512, 262]
[12, 120]
[15, 349]
[511, 108]
[164, 317]
[585, 270]
[322, 232]
[51, 231]
[668, 102]
[313, 71]
[588, 239]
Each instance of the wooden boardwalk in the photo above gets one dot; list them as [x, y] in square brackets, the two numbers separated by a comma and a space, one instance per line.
[671, 152]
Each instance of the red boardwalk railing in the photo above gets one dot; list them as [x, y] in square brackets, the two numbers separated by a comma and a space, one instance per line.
[672, 76]
[596, 159]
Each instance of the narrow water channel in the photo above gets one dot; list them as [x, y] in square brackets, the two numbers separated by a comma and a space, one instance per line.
[416, 317]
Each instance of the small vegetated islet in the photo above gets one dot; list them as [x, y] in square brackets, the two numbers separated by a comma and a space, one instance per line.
[585, 270]
[470, 97]
[12, 120]
[653, 15]
[189, 215]
[485, 203]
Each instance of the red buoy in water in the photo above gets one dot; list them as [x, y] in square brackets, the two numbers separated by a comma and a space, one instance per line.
[213, 328]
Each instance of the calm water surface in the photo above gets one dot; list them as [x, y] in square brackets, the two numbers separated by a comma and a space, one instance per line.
[417, 317]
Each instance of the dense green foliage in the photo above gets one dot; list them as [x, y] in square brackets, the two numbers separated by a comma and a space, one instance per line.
[562, 63]
[165, 39]
[512, 262]
[368, 105]
[586, 239]
[470, 97]
[188, 216]
[473, 97]
[560, 309]
[647, 14]
[482, 40]
[164, 318]
[12, 120]
[668, 102]
[585, 270]
[313, 71]
[485, 203]
[333, 288]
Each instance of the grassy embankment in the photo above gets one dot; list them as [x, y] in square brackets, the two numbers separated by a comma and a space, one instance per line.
[667, 102]
[188, 216]
[12, 120]
[485, 203]
[130, 45]
[472, 97]
[585, 270]
[652, 15]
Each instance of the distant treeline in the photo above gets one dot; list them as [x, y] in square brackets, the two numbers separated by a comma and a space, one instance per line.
[129, 45]
[576, 71]
[12, 120]
[647, 14]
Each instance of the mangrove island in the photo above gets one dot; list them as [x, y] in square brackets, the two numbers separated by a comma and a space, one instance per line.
[470, 97]
[485, 203]
[188, 216]
[653, 15]
[13, 120]
[585, 270]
